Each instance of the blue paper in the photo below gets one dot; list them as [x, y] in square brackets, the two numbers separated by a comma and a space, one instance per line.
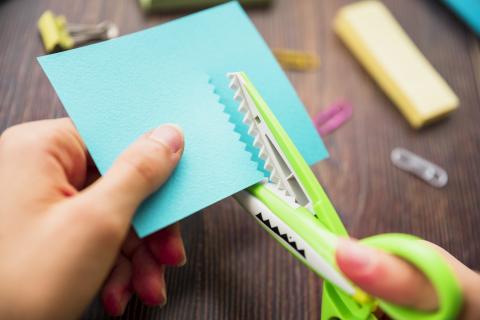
[116, 90]
[468, 10]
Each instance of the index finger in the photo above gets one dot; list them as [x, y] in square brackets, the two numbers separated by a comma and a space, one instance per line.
[49, 149]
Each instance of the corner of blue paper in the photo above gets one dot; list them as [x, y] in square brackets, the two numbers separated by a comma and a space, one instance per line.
[116, 90]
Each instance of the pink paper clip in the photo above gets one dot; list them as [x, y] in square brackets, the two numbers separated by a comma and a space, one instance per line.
[333, 117]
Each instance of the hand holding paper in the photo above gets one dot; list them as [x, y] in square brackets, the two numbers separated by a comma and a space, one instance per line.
[176, 73]
[61, 234]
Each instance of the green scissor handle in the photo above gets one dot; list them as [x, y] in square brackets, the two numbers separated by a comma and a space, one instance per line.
[407, 247]
[434, 267]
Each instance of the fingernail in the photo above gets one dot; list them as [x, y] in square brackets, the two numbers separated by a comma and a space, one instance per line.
[182, 262]
[357, 255]
[170, 135]
[163, 303]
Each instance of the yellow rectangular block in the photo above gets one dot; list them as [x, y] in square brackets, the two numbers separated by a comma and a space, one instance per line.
[378, 41]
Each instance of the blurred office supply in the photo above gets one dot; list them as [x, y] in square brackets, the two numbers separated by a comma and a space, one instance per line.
[378, 41]
[333, 117]
[58, 35]
[420, 167]
[297, 60]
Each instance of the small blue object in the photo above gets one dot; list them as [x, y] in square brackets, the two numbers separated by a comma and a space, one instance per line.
[176, 73]
[468, 10]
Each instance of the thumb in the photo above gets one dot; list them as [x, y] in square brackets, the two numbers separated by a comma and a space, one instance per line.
[140, 170]
[385, 276]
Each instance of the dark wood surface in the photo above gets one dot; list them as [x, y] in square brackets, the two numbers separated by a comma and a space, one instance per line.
[235, 270]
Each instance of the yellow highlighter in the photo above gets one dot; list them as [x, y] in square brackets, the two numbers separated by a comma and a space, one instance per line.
[378, 41]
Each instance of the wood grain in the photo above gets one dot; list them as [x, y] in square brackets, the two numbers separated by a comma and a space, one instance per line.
[235, 270]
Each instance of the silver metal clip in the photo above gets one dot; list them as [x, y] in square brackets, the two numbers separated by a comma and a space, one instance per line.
[82, 33]
[422, 168]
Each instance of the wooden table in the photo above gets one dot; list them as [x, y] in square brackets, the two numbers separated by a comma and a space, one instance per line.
[235, 270]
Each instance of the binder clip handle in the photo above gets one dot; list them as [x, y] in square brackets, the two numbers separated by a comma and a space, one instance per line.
[58, 35]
